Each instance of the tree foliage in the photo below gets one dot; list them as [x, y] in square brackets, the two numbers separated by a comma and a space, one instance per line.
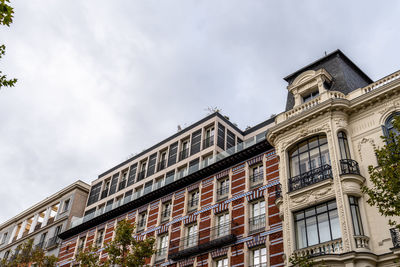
[124, 250]
[384, 192]
[6, 18]
[25, 254]
[301, 261]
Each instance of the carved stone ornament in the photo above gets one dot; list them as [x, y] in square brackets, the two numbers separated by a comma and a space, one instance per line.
[341, 122]
[393, 105]
[365, 141]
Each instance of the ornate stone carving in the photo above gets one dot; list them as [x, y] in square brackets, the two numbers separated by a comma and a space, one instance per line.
[393, 105]
[341, 122]
[364, 141]
[304, 132]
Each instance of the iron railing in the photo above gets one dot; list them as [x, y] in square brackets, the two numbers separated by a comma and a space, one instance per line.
[193, 203]
[395, 233]
[311, 177]
[278, 191]
[222, 191]
[257, 223]
[207, 142]
[349, 166]
[161, 254]
[165, 214]
[202, 241]
[256, 179]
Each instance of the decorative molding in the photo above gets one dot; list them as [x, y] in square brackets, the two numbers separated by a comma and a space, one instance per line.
[364, 141]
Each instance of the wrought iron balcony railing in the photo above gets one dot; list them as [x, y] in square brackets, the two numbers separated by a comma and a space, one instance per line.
[278, 191]
[311, 177]
[222, 191]
[207, 142]
[256, 179]
[202, 241]
[161, 254]
[165, 214]
[395, 233]
[193, 203]
[349, 166]
[257, 223]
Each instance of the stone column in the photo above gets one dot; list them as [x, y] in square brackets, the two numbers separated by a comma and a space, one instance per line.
[22, 230]
[34, 222]
[13, 234]
[46, 216]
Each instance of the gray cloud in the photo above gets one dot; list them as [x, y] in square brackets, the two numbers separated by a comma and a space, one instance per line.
[99, 80]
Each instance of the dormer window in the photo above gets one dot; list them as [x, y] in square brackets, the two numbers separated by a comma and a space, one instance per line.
[310, 96]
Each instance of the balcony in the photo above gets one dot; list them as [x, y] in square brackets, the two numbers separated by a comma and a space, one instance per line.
[349, 166]
[330, 247]
[395, 233]
[161, 165]
[184, 154]
[256, 179]
[222, 192]
[53, 242]
[203, 241]
[257, 224]
[207, 142]
[361, 241]
[311, 177]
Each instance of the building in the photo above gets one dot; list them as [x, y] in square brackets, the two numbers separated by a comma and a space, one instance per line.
[207, 195]
[44, 221]
[213, 195]
[325, 140]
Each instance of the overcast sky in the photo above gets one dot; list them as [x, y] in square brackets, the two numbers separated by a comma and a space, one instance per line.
[99, 80]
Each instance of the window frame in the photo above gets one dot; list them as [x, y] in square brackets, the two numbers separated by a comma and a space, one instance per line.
[356, 218]
[252, 257]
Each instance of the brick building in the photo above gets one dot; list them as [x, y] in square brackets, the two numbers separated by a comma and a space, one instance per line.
[207, 194]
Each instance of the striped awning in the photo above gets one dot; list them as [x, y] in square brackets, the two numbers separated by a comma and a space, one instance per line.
[221, 208]
[256, 241]
[219, 253]
[121, 218]
[162, 229]
[142, 209]
[193, 187]
[255, 160]
[110, 223]
[166, 198]
[139, 237]
[191, 218]
[187, 262]
[256, 194]
[222, 174]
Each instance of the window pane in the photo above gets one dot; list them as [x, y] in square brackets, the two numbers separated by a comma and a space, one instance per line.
[303, 147]
[294, 166]
[304, 163]
[314, 158]
[335, 225]
[313, 143]
[301, 234]
[312, 232]
[323, 225]
[325, 155]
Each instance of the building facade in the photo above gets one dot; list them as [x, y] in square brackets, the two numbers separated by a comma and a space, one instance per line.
[207, 195]
[44, 221]
[325, 141]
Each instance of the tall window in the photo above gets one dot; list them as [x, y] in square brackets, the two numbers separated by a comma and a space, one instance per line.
[162, 247]
[222, 262]
[100, 236]
[191, 236]
[223, 188]
[355, 216]
[317, 224]
[166, 211]
[66, 205]
[257, 216]
[257, 175]
[222, 225]
[388, 128]
[209, 138]
[142, 221]
[259, 257]
[343, 146]
[308, 155]
[193, 200]
[4, 238]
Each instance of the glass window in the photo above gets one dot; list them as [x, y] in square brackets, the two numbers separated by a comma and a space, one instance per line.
[310, 96]
[343, 146]
[259, 257]
[388, 128]
[317, 224]
[191, 236]
[99, 239]
[257, 216]
[162, 246]
[222, 262]
[355, 216]
[193, 200]
[223, 225]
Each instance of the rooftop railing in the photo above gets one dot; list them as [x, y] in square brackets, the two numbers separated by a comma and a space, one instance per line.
[170, 179]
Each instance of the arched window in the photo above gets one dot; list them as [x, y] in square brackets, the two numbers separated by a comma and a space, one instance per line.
[309, 162]
[343, 146]
[388, 127]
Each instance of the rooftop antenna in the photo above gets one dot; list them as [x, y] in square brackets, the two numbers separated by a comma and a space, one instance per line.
[325, 53]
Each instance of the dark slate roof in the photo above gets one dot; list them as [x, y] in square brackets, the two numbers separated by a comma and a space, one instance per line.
[346, 76]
